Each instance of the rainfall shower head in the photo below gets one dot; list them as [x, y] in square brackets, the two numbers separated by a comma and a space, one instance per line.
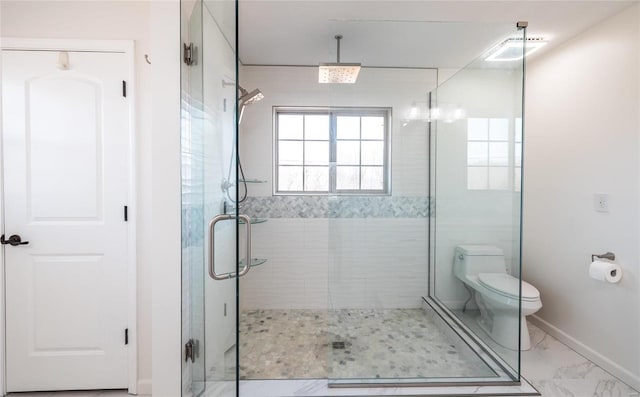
[340, 73]
[249, 98]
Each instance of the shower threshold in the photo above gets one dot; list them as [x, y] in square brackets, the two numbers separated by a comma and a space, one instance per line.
[321, 388]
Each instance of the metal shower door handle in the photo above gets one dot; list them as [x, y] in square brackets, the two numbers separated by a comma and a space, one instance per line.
[212, 241]
[247, 254]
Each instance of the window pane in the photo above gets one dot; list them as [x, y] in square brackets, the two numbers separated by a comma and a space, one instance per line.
[289, 153]
[290, 178]
[478, 129]
[517, 179]
[518, 154]
[348, 153]
[347, 178]
[316, 179]
[499, 129]
[348, 127]
[289, 126]
[477, 178]
[316, 153]
[518, 137]
[372, 178]
[373, 153]
[316, 127]
[499, 153]
[373, 128]
[498, 178]
[306, 144]
[477, 153]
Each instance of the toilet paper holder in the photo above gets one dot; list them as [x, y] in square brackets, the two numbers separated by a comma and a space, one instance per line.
[608, 255]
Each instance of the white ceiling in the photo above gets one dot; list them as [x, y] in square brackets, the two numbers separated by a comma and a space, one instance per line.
[403, 33]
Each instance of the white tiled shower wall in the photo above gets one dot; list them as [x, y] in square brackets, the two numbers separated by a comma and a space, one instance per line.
[298, 86]
[319, 263]
[363, 260]
[370, 262]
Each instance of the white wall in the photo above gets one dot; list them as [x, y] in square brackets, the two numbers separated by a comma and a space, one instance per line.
[96, 20]
[166, 51]
[316, 263]
[582, 137]
[165, 232]
[2, 292]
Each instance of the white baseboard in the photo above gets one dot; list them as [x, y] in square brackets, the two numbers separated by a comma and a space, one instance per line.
[144, 387]
[599, 359]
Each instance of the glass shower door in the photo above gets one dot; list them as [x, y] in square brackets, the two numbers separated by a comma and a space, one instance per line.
[209, 187]
[193, 338]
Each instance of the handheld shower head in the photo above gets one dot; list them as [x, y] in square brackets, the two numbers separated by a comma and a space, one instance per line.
[248, 98]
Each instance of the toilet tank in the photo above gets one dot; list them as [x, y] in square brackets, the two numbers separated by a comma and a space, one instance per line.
[471, 260]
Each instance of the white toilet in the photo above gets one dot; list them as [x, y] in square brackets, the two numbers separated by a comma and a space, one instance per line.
[483, 269]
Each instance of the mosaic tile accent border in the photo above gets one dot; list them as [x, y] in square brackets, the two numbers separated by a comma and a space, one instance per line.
[337, 207]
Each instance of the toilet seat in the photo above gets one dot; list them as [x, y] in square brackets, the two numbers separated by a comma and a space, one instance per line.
[507, 286]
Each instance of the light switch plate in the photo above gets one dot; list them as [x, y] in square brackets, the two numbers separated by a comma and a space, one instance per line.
[601, 202]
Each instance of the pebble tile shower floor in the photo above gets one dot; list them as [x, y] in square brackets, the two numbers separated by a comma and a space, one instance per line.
[348, 344]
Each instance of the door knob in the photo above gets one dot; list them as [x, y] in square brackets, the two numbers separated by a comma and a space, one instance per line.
[14, 240]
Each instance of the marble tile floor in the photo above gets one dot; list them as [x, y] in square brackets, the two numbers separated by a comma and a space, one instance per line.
[554, 368]
[346, 344]
[558, 371]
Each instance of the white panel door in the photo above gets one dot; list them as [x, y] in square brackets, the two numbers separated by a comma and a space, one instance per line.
[66, 156]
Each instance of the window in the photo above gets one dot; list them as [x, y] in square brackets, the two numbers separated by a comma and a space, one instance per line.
[492, 154]
[337, 150]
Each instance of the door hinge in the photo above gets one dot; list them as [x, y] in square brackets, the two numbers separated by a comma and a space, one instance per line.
[189, 351]
[126, 336]
[188, 53]
[126, 213]
[124, 88]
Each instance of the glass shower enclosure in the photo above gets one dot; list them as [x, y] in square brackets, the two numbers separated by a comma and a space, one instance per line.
[210, 222]
[476, 185]
[360, 276]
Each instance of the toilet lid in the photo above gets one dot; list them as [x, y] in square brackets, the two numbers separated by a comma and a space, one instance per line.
[505, 284]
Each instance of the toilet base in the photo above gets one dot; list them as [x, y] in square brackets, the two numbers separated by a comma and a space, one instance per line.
[503, 330]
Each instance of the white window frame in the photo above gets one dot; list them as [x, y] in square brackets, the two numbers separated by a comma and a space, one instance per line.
[333, 113]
